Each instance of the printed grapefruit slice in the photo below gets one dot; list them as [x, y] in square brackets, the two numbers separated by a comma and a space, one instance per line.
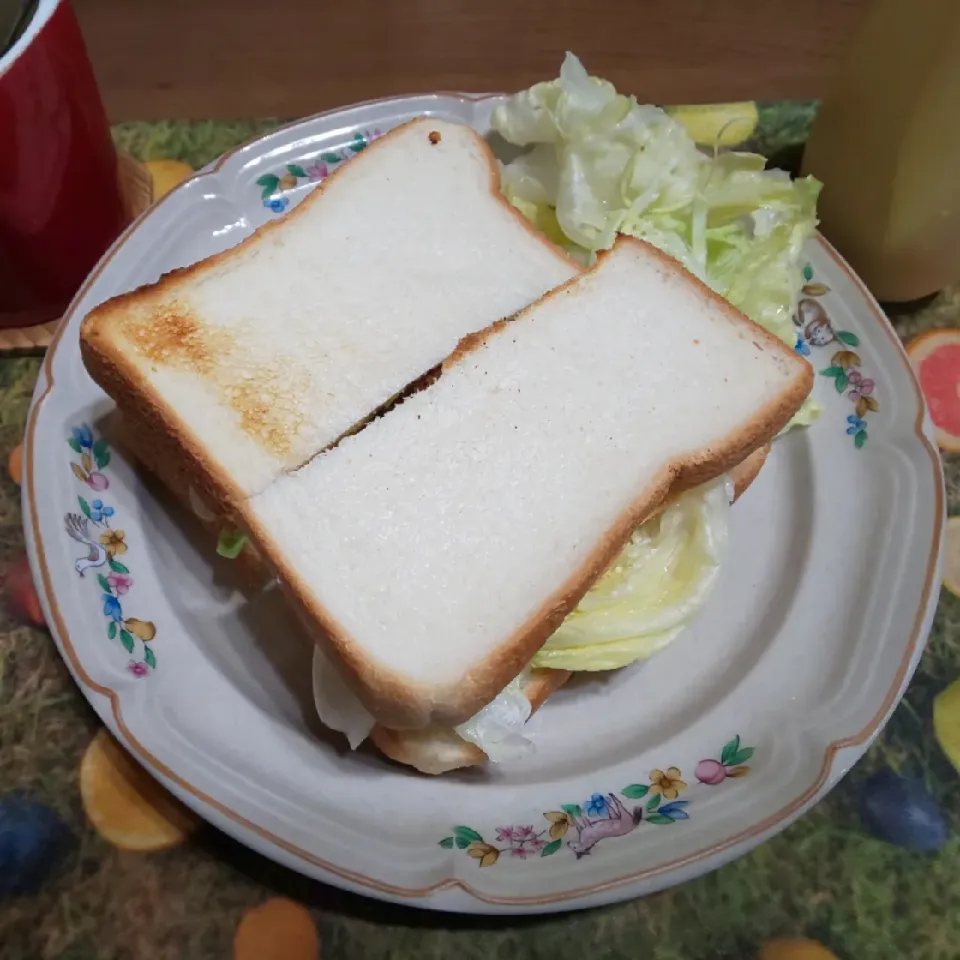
[15, 464]
[278, 929]
[795, 948]
[719, 124]
[946, 722]
[935, 357]
[126, 806]
[167, 174]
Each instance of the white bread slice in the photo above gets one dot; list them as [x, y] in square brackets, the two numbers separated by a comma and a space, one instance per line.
[436, 750]
[257, 358]
[439, 547]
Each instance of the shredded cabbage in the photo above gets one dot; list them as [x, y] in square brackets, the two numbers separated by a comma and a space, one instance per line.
[602, 164]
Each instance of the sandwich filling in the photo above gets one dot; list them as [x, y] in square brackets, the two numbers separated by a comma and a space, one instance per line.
[655, 588]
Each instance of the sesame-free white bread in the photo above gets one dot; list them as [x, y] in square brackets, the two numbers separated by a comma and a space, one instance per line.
[439, 547]
[257, 358]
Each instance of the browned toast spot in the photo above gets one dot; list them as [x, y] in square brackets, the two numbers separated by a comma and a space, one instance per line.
[266, 403]
[171, 335]
[268, 406]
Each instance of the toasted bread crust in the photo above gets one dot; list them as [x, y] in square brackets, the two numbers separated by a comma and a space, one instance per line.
[404, 705]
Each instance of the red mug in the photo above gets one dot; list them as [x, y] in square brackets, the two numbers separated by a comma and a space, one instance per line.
[60, 201]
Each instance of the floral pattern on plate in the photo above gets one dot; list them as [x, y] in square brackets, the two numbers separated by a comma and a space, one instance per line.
[603, 816]
[273, 186]
[845, 369]
[104, 545]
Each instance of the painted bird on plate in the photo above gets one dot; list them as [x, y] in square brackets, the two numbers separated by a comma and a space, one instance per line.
[79, 528]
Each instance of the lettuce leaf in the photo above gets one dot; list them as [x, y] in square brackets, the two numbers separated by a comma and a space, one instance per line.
[654, 589]
[230, 543]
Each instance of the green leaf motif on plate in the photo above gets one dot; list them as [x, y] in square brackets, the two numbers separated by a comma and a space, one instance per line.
[117, 567]
[850, 339]
[331, 157]
[74, 445]
[741, 756]
[464, 836]
[659, 819]
[860, 439]
[269, 182]
[112, 630]
[127, 640]
[808, 272]
[841, 382]
[572, 809]
[85, 507]
[551, 848]
[297, 170]
[730, 750]
[654, 802]
[635, 791]
[447, 843]
[101, 453]
[149, 658]
[831, 372]
[104, 585]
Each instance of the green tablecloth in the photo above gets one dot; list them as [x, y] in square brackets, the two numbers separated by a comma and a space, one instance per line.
[823, 878]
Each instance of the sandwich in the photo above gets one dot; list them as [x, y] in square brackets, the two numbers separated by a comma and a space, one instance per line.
[440, 440]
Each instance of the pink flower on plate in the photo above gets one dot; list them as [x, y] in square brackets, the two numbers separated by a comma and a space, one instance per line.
[859, 386]
[317, 171]
[120, 582]
[524, 834]
[523, 841]
[138, 669]
[527, 847]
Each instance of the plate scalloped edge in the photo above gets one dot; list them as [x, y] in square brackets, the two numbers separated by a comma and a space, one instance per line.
[847, 748]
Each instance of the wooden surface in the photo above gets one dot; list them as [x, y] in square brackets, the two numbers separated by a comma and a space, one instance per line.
[261, 58]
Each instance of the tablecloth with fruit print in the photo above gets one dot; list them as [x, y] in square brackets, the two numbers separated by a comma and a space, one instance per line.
[97, 864]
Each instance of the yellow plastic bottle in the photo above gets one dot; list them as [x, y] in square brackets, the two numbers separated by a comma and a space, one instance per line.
[886, 145]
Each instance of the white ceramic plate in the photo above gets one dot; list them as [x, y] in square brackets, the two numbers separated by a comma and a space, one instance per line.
[641, 779]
